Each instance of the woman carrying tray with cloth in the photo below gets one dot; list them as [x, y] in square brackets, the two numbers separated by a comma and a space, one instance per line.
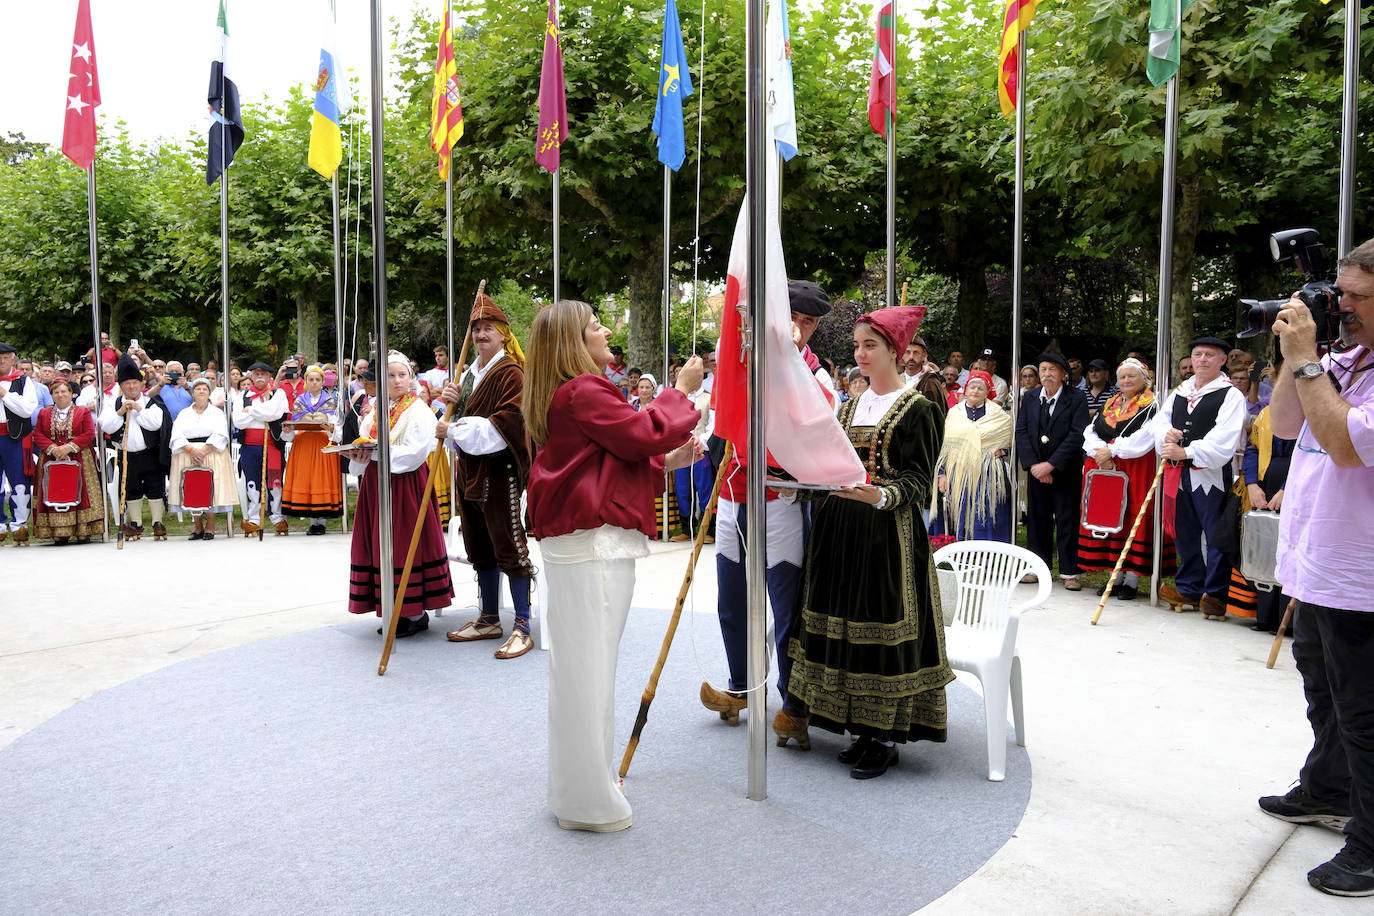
[61, 432]
[1117, 439]
[200, 439]
[313, 487]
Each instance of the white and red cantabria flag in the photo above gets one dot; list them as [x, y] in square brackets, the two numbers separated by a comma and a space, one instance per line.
[800, 429]
[83, 93]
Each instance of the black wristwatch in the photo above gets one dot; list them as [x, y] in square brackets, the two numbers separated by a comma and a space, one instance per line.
[1309, 370]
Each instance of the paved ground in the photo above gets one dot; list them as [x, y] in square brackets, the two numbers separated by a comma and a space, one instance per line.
[1150, 735]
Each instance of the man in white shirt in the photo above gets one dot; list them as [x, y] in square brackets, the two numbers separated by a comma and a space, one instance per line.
[18, 404]
[437, 377]
[1197, 430]
[140, 432]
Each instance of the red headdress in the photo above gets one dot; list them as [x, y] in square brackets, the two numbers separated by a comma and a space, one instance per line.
[897, 325]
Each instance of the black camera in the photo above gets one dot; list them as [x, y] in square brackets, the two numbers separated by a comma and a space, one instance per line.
[1321, 296]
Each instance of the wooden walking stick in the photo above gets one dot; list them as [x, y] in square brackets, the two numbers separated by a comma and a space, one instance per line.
[123, 484]
[1121, 560]
[652, 687]
[1283, 628]
[420, 516]
[264, 491]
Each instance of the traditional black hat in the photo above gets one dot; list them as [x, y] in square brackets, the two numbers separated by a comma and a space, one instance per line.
[127, 369]
[1099, 364]
[1216, 342]
[368, 375]
[1055, 358]
[5, 348]
[261, 365]
[808, 298]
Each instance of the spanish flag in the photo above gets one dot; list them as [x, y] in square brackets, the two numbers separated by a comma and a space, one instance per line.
[331, 101]
[445, 107]
[1016, 21]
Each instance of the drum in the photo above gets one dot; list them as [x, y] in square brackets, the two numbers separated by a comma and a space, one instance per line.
[197, 488]
[62, 485]
[1104, 502]
[1259, 547]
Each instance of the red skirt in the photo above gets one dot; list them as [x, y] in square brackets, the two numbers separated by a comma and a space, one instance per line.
[1102, 553]
[430, 586]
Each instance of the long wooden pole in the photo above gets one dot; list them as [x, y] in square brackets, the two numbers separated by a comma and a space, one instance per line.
[420, 517]
[263, 489]
[123, 483]
[1135, 528]
[1283, 628]
[652, 687]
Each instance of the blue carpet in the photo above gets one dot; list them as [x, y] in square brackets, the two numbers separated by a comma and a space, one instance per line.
[286, 777]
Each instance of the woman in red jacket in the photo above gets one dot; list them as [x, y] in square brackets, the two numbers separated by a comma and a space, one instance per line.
[597, 468]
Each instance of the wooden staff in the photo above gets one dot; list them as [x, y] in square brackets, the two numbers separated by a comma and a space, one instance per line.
[904, 285]
[652, 687]
[123, 483]
[1121, 560]
[420, 516]
[264, 490]
[1283, 627]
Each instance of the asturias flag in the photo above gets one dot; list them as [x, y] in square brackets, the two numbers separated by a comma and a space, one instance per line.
[1165, 16]
[445, 106]
[1016, 21]
[226, 123]
[782, 107]
[331, 102]
[83, 93]
[553, 102]
[674, 85]
[882, 81]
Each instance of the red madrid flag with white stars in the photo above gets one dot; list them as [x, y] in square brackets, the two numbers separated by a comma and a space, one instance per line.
[83, 93]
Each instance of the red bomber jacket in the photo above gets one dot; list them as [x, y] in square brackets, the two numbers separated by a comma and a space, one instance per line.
[603, 461]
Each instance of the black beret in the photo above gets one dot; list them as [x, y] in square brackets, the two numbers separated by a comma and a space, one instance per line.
[5, 348]
[1099, 364]
[1055, 358]
[261, 365]
[1216, 342]
[368, 375]
[808, 298]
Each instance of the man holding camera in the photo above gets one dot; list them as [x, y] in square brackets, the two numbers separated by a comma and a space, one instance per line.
[1326, 553]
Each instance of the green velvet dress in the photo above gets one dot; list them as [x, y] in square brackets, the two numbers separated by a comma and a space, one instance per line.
[869, 650]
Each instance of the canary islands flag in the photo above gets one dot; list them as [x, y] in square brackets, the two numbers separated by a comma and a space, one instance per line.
[331, 102]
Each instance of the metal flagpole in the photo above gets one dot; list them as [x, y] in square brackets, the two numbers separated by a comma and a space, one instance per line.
[224, 323]
[1163, 358]
[892, 176]
[1349, 113]
[453, 369]
[1018, 231]
[342, 392]
[557, 286]
[667, 310]
[756, 135]
[381, 411]
[96, 348]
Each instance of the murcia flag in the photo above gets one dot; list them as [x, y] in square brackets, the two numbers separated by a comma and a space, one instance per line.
[226, 123]
[802, 434]
[83, 93]
[553, 100]
[882, 82]
[674, 85]
[445, 105]
[331, 102]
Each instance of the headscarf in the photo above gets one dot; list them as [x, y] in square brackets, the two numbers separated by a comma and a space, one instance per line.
[1131, 362]
[978, 375]
[1118, 409]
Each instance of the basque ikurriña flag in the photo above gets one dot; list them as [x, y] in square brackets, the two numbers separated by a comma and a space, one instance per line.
[331, 103]
[882, 81]
[445, 104]
[674, 85]
[83, 93]
[226, 122]
[553, 101]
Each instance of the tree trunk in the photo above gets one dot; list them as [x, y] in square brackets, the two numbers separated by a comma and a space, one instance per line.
[645, 348]
[973, 307]
[116, 324]
[307, 326]
[1187, 220]
[209, 328]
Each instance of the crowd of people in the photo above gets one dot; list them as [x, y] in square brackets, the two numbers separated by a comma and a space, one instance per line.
[860, 651]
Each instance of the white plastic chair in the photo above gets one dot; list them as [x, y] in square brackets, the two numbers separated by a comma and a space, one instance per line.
[982, 638]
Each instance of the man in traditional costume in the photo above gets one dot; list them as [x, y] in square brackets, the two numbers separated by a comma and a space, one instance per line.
[1049, 444]
[1197, 430]
[18, 404]
[924, 375]
[785, 540]
[493, 469]
[257, 414]
[147, 451]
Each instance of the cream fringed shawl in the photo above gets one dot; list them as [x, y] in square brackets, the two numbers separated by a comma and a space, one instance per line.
[977, 478]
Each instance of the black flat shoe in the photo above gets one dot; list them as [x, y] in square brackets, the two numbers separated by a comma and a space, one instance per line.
[850, 755]
[409, 626]
[1125, 593]
[315, 530]
[874, 761]
[197, 536]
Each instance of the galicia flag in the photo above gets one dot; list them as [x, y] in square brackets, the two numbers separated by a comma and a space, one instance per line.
[226, 123]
